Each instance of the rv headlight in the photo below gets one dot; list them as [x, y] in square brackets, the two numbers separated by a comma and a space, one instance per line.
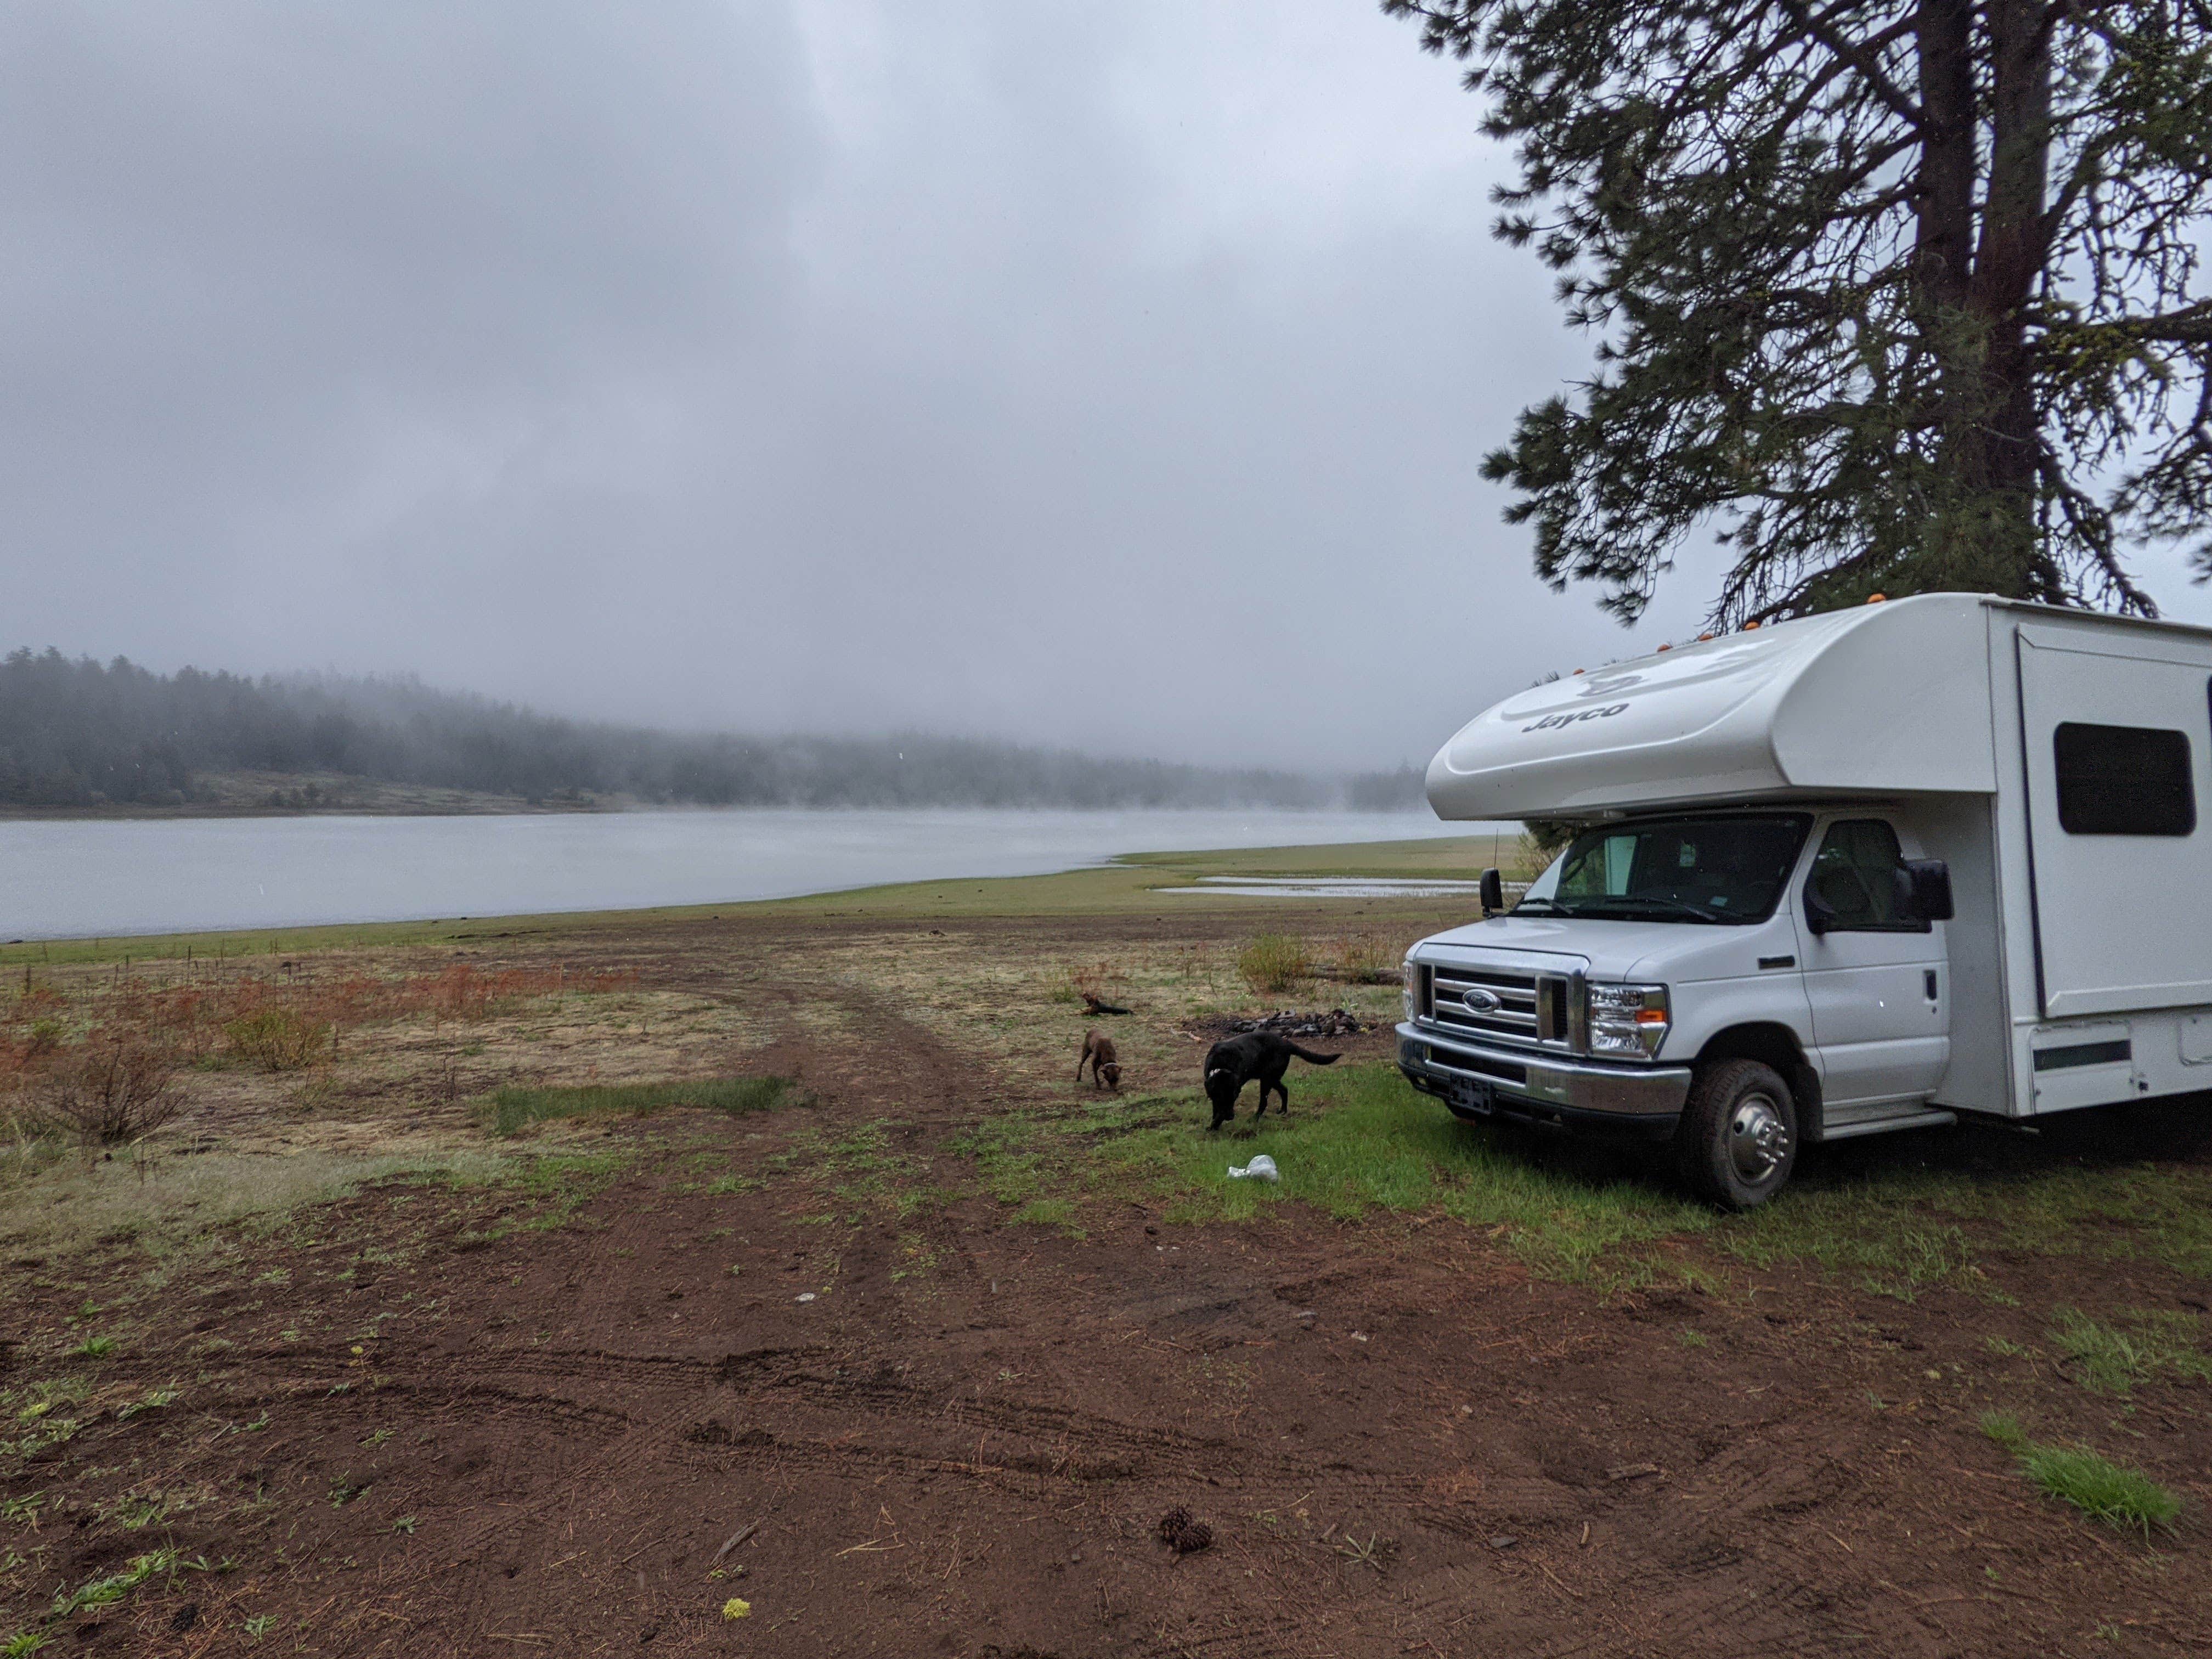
[1630, 1020]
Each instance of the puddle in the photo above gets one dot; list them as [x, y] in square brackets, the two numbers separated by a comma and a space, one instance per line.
[1368, 887]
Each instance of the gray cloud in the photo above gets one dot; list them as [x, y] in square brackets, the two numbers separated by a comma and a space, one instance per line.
[1115, 375]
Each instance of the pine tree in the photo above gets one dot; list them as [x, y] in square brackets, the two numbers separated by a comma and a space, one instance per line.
[1893, 296]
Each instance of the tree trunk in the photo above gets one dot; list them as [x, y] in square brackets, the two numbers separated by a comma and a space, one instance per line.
[1944, 247]
[2015, 241]
[1978, 530]
[1983, 529]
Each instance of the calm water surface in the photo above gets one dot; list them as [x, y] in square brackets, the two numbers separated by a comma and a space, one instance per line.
[60, 879]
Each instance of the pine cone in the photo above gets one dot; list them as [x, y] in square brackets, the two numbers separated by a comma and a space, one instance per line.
[1194, 1537]
[1172, 1524]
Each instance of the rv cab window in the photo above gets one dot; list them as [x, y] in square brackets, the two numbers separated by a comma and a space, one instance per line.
[2124, 780]
[1855, 877]
[1728, 870]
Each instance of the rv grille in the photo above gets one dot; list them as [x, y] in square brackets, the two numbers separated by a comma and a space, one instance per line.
[1499, 1003]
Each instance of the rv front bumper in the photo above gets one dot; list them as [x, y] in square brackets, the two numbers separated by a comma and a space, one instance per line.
[1477, 1080]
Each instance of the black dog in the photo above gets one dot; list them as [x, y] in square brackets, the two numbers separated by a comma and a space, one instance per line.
[1235, 1061]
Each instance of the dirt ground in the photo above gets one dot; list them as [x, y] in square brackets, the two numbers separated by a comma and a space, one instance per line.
[798, 1383]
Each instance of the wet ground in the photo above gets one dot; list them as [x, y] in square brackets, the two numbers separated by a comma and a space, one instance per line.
[792, 1383]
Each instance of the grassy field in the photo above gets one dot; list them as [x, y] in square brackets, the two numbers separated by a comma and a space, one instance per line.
[564, 1028]
[866, 1101]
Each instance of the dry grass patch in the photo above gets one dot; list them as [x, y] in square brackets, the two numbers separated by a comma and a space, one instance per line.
[513, 1109]
[69, 1206]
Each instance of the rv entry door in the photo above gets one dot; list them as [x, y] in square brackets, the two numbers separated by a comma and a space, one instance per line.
[2119, 758]
[1878, 981]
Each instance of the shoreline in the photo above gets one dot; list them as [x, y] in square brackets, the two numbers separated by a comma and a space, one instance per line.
[1120, 882]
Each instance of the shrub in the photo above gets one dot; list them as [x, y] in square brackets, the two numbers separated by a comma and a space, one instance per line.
[1366, 962]
[43, 1038]
[1273, 961]
[108, 1092]
[278, 1039]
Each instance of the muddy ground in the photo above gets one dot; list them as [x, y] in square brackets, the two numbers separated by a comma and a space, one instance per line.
[803, 1360]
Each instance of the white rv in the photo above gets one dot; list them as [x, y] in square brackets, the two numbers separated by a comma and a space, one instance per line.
[1855, 873]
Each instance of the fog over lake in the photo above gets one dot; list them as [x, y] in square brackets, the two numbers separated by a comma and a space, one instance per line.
[95, 877]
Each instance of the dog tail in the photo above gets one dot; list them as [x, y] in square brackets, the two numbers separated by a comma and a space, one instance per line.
[1308, 1054]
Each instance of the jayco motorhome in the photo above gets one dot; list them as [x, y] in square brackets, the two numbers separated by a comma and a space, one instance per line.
[1855, 873]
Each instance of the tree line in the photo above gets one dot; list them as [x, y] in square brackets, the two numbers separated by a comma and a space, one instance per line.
[75, 733]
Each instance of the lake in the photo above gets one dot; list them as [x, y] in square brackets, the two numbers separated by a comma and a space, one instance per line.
[78, 877]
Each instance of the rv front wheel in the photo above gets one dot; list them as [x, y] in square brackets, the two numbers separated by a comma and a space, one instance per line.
[1737, 1141]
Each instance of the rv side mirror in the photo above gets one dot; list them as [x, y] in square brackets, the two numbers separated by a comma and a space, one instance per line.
[1924, 889]
[1493, 892]
[1819, 914]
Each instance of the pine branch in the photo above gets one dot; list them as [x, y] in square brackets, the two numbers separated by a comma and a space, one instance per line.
[1851, 53]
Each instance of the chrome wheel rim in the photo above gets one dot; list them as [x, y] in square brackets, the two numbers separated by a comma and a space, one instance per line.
[1758, 1139]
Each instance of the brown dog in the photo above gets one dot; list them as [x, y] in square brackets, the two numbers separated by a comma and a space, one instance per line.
[1099, 1056]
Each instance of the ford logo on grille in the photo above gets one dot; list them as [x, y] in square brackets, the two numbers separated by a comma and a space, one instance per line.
[1479, 1001]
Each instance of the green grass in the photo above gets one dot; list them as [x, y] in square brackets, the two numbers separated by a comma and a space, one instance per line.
[33, 1419]
[1058, 1213]
[558, 1184]
[513, 1109]
[1880, 1234]
[1358, 1141]
[2110, 1360]
[2128, 1212]
[106, 1591]
[2101, 1489]
[863, 1170]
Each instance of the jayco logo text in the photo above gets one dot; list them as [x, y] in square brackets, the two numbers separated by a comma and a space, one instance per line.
[1569, 719]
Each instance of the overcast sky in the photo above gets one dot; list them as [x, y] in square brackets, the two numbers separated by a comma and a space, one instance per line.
[1111, 375]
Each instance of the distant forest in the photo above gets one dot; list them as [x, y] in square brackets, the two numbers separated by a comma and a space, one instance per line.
[81, 733]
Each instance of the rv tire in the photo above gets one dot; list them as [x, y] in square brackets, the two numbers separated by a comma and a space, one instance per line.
[1737, 1140]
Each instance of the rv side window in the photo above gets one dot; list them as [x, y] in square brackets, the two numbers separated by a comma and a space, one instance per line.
[1855, 875]
[2124, 780]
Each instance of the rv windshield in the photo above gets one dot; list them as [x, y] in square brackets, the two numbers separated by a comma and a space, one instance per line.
[1728, 870]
